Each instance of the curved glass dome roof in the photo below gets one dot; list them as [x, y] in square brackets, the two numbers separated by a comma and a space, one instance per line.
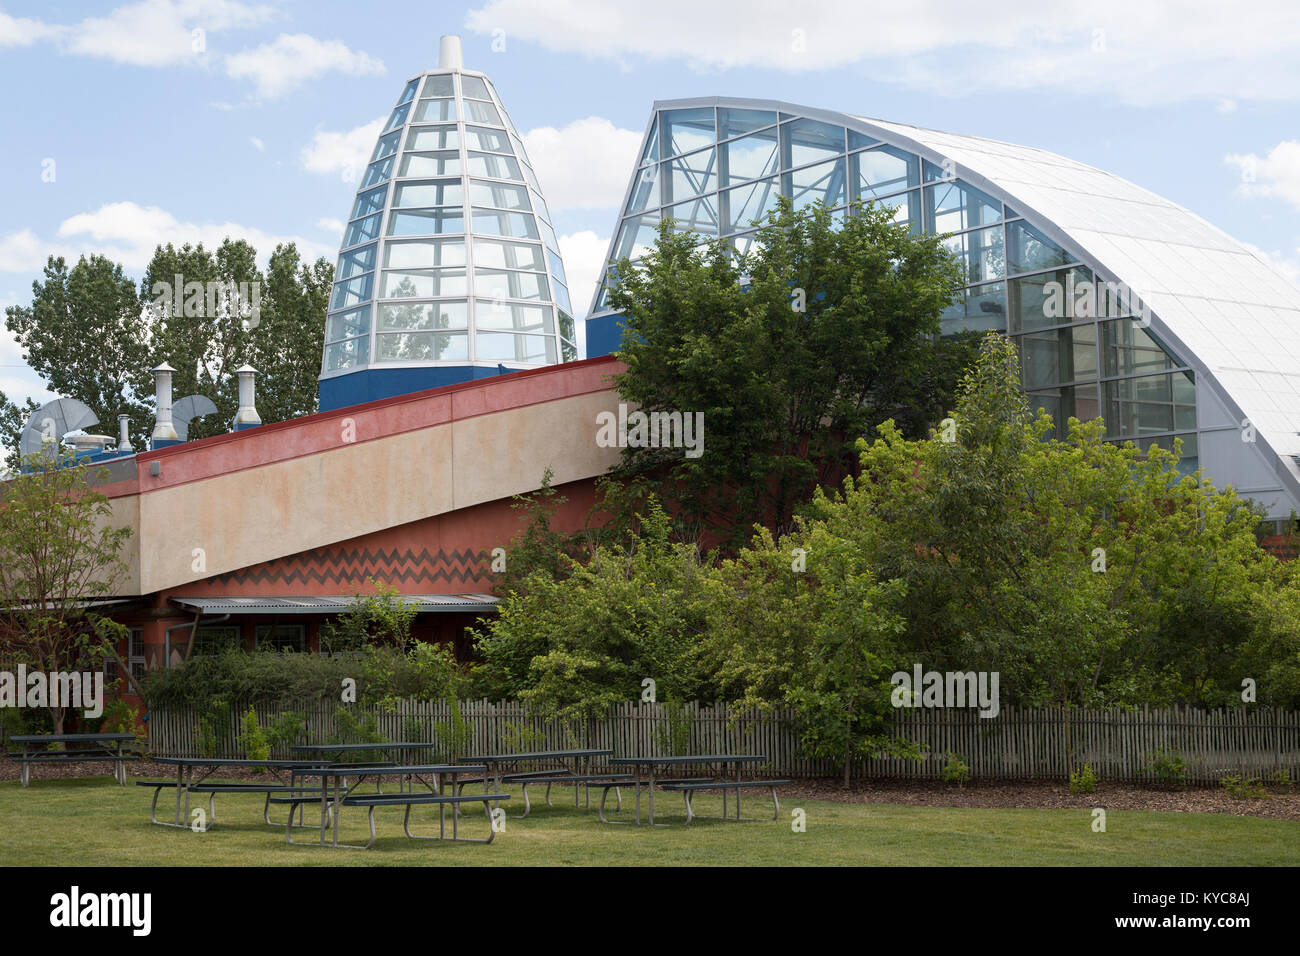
[1123, 304]
[449, 269]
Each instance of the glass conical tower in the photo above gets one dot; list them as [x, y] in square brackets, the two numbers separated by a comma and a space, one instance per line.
[450, 269]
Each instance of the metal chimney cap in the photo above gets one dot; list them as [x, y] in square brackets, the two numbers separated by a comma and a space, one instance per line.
[164, 367]
[450, 56]
[245, 368]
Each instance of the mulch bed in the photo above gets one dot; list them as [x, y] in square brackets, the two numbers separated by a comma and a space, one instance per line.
[1282, 804]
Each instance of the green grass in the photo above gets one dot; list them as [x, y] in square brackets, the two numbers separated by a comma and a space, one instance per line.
[96, 822]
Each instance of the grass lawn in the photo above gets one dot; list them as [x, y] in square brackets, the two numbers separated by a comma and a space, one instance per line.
[96, 822]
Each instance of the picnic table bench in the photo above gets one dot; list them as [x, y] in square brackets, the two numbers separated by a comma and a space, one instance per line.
[185, 784]
[578, 774]
[103, 747]
[332, 797]
[688, 786]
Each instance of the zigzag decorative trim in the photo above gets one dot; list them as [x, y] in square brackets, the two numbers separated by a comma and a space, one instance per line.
[338, 566]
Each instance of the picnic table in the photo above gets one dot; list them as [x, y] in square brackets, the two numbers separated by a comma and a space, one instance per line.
[644, 769]
[104, 747]
[578, 772]
[337, 751]
[335, 793]
[185, 784]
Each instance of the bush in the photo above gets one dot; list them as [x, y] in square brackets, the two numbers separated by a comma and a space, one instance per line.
[1243, 788]
[1168, 769]
[1084, 780]
[956, 770]
[252, 738]
[1280, 778]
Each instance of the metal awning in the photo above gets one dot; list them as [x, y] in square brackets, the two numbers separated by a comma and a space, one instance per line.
[335, 604]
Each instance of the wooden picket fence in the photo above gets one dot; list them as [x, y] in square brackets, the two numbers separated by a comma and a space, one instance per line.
[1019, 743]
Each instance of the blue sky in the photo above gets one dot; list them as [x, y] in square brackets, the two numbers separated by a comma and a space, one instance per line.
[253, 125]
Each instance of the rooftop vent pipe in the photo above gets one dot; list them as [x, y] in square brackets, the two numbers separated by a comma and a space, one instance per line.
[164, 433]
[246, 416]
[450, 56]
[124, 433]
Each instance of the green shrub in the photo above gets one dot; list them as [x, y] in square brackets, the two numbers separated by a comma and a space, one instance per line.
[673, 733]
[1280, 778]
[214, 725]
[455, 735]
[1167, 768]
[1084, 780]
[352, 730]
[252, 738]
[1243, 788]
[955, 770]
[518, 738]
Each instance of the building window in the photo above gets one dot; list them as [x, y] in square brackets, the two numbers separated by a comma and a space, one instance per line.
[135, 652]
[213, 640]
[282, 637]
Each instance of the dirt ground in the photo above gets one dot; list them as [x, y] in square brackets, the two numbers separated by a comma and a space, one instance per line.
[1282, 804]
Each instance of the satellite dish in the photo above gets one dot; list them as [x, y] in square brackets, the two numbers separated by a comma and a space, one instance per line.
[185, 410]
[49, 423]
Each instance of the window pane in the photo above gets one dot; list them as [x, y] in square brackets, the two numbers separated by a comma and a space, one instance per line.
[429, 193]
[521, 318]
[369, 202]
[362, 230]
[435, 111]
[752, 157]
[423, 315]
[352, 291]
[507, 255]
[744, 204]
[884, 170]
[348, 354]
[422, 284]
[539, 205]
[980, 253]
[1155, 403]
[409, 93]
[424, 255]
[499, 284]
[504, 347]
[398, 116]
[519, 225]
[686, 130]
[698, 215]
[557, 267]
[430, 164]
[355, 262]
[1031, 250]
[492, 140]
[1071, 401]
[954, 206]
[1130, 349]
[691, 175]
[438, 85]
[502, 195]
[738, 122]
[561, 297]
[425, 222]
[378, 172]
[1050, 298]
[824, 182]
[566, 326]
[860, 140]
[474, 87]
[282, 637]
[983, 309]
[548, 236]
[496, 167]
[808, 141]
[482, 113]
[637, 237]
[907, 208]
[422, 347]
[346, 325]
[387, 145]
[432, 137]
[1063, 355]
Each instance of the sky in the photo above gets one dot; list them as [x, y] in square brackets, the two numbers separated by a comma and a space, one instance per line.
[125, 126]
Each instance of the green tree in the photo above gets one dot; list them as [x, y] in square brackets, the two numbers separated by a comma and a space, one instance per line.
[381, 617]
[286, 344]
[13, 418]
[59, 553]
[84, 334]
[791, 352]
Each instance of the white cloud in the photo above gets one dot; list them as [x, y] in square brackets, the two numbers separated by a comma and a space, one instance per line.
[128, 233]
[326, 224]
[343, 153]
[585, 165]
[584, 256]
[20, 31]
[292, 59]
[1139, 53]
[1276, 175]
[257, 143]
[160, 32]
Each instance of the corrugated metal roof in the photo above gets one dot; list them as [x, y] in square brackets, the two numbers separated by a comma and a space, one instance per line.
[332, 603]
